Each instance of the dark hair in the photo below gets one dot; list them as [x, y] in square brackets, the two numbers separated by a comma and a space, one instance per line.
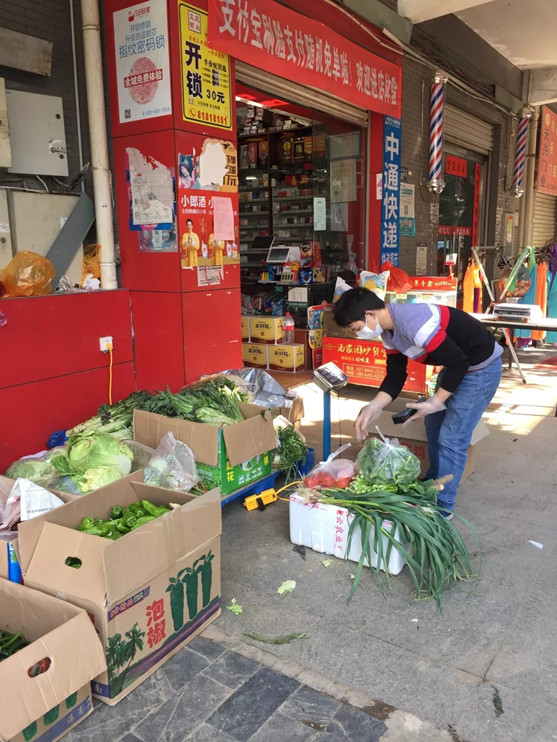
[353, 304]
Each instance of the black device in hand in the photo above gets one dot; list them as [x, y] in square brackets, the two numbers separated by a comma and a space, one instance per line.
[402, 417]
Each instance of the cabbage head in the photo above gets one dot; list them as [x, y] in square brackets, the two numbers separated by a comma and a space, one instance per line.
[91, 450]
[99, 477]
[40, 471]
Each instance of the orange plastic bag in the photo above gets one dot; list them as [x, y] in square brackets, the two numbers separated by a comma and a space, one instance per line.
[28, 274]
[399, 281]
[91, 262]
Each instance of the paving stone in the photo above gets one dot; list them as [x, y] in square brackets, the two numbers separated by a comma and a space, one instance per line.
[279, 728]
[130, 738]
[207, 647]
[232, 669]
[207, 733]
[183, 667]
[311, 705]
[250, 706]
[178, 718]
[358, 726]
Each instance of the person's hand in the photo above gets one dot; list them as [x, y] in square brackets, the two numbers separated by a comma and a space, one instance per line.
[367, 415]
[427, 407]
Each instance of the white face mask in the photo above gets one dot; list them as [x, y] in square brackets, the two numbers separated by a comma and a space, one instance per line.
[366, 334]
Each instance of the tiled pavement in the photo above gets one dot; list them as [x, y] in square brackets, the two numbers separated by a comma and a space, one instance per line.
[209, 693]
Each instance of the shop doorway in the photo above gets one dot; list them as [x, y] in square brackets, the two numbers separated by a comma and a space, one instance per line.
[460, 211]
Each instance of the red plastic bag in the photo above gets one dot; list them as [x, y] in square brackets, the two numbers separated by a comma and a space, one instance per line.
[28, 274]
[332, 473]
[399, 281]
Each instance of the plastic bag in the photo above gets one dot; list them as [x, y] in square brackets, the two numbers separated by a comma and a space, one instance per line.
[376, 282]
[334, 472]
[386, 461]
[399, 281]
[28, 274]
[91, 264]
[340, 287]
[172, 466]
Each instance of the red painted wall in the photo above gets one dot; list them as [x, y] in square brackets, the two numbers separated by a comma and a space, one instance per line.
[53, 373]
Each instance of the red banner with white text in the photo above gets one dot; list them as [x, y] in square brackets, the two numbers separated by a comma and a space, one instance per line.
[280, 41]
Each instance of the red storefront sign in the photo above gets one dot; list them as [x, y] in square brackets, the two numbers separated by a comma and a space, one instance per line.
[274, 38]
[364, 362]
[456, 166]
[547, 160]
[447, 231]
[435, 283]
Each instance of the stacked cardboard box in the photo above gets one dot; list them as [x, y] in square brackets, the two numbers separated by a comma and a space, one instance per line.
[263, 347]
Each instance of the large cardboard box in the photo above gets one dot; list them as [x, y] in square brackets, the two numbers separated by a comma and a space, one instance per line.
[414, 436]
[230, 457]
[255, 355]
[265, 329]
[287, 357]
[331, 329]
[245, 328]
[39, 706]
[148, 593]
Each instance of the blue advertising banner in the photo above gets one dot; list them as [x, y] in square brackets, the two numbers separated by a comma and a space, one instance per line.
[391, 191]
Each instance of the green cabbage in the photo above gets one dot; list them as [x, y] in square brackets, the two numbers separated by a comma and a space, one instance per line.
[99, 477]
[91, 450]
[36, 470]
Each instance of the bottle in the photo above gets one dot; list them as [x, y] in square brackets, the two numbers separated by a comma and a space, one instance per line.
[287, 329]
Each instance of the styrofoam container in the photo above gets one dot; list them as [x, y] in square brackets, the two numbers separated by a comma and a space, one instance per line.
[324, 528]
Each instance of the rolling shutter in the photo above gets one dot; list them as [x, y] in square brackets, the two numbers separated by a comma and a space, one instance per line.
[295, 93]
[544, 219]
[467, 131]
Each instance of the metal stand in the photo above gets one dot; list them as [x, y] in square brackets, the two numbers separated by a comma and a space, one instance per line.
[506, 332]
[326, 425]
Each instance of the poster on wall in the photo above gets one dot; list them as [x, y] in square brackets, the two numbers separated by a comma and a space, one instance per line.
[343, 180]
[407, 215]
[208, 202]
[391, 191]
[151, 199]
[142, 61]
[206, 83]
[547, 161]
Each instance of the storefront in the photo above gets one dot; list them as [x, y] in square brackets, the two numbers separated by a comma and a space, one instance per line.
[201, 197]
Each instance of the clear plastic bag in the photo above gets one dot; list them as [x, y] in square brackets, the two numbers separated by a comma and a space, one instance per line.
[376, 282]
[386, 461]
[28, 274]
[333, 472]
[172, 466]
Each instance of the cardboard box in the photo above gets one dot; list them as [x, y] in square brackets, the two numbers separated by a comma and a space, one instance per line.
[231, 457]
[264, 329]
[325, 528]
[255, 355]
[289, 358]
[245, 328]
[331, 329]
[148, 593]
[414, 436]
[41, 706]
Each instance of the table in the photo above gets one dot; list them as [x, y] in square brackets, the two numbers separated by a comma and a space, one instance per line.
[545, 324]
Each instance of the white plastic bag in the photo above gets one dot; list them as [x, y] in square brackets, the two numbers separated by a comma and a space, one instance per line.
[334, 472]
[172, 466]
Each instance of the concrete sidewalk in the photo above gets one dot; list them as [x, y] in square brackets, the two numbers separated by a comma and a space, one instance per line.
[385, 666]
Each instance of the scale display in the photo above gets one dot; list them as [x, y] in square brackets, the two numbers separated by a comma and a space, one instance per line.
[329, 377]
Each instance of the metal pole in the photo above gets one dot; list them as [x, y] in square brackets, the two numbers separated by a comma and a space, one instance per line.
[326, 425]
[97, 135]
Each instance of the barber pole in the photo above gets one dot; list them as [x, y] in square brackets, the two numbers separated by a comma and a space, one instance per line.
[436, 104]
[520, 153]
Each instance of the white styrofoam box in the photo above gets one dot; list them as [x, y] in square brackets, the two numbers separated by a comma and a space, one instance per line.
[324, 528]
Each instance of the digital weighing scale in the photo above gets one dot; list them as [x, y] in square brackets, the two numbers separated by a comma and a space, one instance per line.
[328, 377]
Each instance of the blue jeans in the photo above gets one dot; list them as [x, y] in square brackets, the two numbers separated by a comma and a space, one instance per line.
[449, 432]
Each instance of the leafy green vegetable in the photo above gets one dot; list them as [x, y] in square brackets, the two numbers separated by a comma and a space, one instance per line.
[235, 607]
[92, 450]
[36, 470]
[286, 587]
[382, 463]
[274, 639]
[93, 479]
[292, 449]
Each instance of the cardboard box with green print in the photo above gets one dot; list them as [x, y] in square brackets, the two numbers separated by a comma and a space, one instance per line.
[231, 457]
[148, 592]
[45, 692]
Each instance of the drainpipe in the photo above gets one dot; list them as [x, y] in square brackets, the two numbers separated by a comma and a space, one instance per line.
[98, 140]
[530, 193]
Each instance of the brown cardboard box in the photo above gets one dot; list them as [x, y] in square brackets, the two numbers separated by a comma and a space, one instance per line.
[265, 329]
[287, 357]
[414, 436]
[45, 706]
[331, 329]
[245, 328]
[230, 457]
[148, 593]
[255, 355]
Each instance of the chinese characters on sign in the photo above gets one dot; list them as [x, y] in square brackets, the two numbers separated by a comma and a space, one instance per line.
[142, 61]
[267, 35]
[407, 217]
[547, 162]
[206, 89]
[391, 191]
[456, 166]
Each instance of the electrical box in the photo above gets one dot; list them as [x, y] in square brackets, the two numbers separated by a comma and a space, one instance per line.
[36, 220]
[5, 236]
[37, 135]
[5, 151]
